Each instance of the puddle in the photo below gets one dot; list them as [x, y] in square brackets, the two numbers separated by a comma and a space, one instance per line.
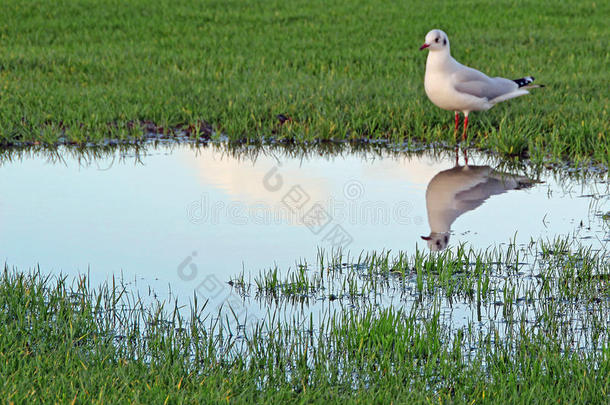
[193, 218]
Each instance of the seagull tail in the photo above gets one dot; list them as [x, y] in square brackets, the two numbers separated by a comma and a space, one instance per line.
[508, 96]
[524, 84]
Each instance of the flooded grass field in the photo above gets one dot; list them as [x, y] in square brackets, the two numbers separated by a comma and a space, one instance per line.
[273, 274]
[255, 202]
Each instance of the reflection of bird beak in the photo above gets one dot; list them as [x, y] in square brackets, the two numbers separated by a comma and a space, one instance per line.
[424, 46]
[426, 237]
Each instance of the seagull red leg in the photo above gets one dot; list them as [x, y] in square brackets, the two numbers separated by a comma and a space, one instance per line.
[465, 127]
[457, 121]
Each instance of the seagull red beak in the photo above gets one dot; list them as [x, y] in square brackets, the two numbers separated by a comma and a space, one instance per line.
[426, 237]
[424, 46]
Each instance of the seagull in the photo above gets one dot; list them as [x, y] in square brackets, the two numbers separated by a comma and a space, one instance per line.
[455, 87]
[455, 191]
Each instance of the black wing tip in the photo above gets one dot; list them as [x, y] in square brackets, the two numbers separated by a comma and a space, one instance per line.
[524, 81]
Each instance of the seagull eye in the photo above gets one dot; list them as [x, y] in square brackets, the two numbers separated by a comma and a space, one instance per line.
[436, 40]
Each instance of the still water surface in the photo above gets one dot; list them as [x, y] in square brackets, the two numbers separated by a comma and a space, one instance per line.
[173, 215]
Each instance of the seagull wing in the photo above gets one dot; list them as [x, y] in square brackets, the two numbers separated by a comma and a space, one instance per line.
[471, 81]
[496, 183]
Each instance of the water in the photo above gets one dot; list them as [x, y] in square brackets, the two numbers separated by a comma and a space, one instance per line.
[192, 218]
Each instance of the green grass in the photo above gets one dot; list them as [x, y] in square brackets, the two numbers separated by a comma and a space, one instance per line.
[85, 71]
[543, 335]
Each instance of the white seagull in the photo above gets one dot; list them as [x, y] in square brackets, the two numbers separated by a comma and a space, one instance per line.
[455, 87]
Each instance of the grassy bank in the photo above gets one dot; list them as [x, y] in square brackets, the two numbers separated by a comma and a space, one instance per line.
[84, 70]
[541, 334]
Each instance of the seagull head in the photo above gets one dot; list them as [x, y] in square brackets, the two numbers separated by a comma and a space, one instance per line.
[437, 241]
[436, 40]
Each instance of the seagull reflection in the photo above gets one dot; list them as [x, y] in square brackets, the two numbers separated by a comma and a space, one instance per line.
[463, 188]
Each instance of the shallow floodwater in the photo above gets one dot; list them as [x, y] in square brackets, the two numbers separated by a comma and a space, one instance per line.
[181, 216]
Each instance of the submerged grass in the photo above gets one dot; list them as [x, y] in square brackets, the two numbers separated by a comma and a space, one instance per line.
[64, 341]
[85, 71]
